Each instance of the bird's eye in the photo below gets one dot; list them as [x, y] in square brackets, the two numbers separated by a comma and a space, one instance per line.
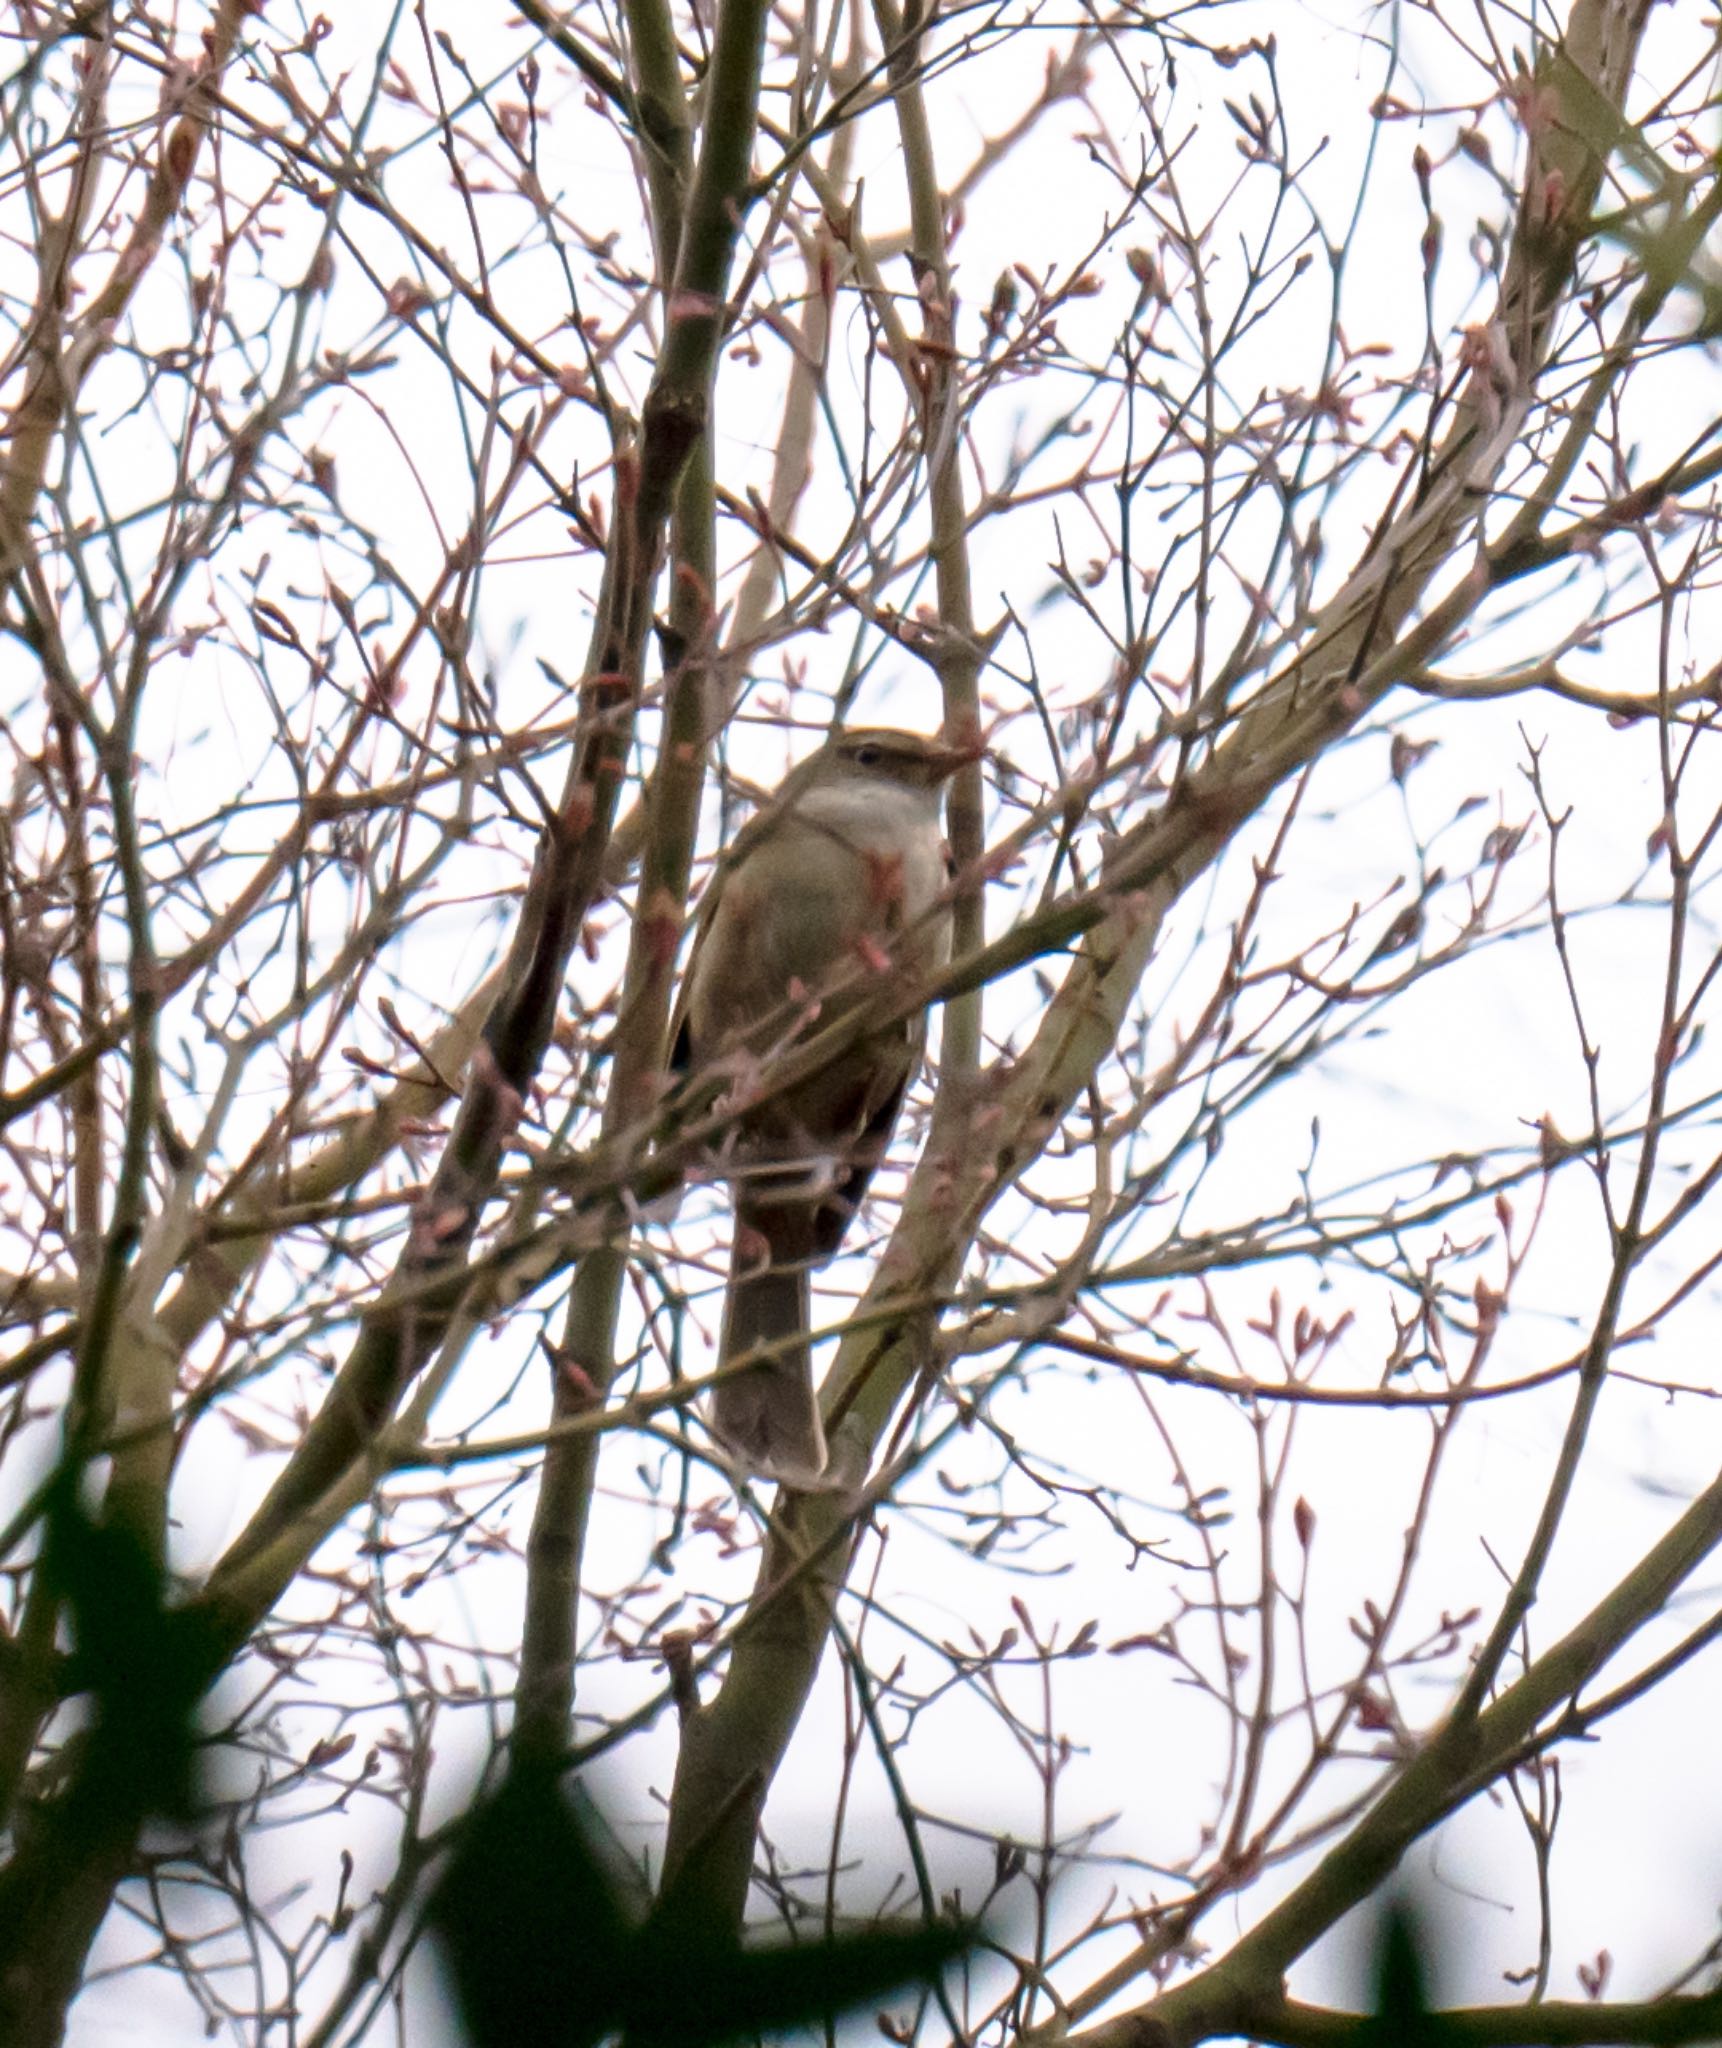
[869, 755]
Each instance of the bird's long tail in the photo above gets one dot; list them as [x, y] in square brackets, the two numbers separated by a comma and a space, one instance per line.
[768, 1416]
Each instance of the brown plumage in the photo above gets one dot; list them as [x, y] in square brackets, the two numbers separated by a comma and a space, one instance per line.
[837, 880]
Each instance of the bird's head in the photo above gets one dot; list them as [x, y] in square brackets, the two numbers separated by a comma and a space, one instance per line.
[881, 753]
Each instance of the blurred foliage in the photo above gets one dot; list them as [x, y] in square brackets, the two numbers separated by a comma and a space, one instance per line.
[143, 1664]
[1401, 2014]
[545, 1943]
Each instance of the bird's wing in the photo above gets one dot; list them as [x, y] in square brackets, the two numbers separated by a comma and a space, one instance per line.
[848, 1189]
[765, 819]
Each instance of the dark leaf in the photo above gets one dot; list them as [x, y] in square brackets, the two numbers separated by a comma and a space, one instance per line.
[545, 1938]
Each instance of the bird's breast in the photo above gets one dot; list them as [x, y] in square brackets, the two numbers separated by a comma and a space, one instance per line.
[838, 885]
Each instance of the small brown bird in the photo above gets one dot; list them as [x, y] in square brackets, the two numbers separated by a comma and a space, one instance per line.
[837, 880]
